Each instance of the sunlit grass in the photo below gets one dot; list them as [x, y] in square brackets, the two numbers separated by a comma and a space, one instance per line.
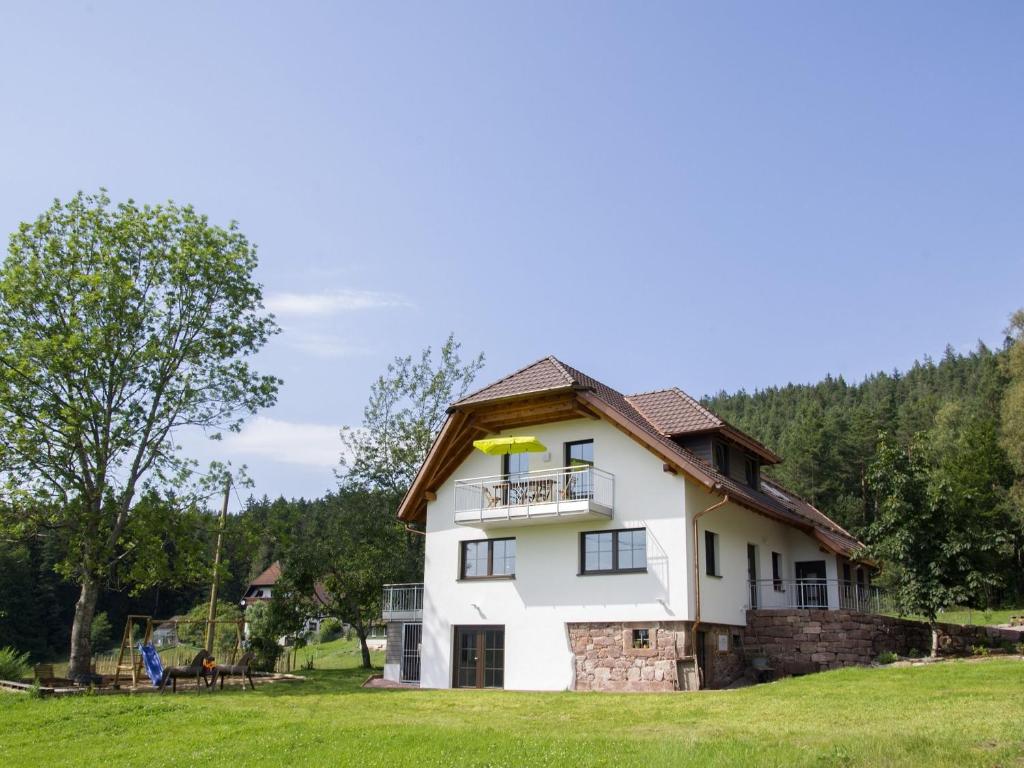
[950, 714]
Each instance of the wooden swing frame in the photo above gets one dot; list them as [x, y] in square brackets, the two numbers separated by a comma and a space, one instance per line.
[129, 660]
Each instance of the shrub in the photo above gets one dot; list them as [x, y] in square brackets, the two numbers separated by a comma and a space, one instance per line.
[886, 658]
[266, 652]
[99, 635]
[915, 654]
[263, 635]
[13, 665]
[979, 650]
[330, 629]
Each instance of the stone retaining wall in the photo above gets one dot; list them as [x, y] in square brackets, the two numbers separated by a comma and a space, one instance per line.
[607, 661]
[798, 641]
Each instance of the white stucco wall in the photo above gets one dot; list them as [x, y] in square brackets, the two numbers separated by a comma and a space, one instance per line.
[725, 599]
[548, 592]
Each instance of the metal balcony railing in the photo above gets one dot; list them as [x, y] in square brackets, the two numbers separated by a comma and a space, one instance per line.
[544, 493]
[402, 602]
[831, 594]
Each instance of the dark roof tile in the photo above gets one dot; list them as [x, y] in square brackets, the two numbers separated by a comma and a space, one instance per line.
[673, 412]
[660, 415]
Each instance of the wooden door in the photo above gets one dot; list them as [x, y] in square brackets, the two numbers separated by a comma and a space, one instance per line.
[479, 657]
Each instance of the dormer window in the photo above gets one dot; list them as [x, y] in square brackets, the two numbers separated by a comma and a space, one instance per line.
[721, 455]
[752, 469]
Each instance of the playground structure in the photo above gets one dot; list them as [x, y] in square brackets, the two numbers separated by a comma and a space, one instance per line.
[138, 631]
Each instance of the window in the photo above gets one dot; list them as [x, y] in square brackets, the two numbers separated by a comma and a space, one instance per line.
[579, 453]
[614, 551]
[641, 638]
[488, 558]
[711, 553]
[721, 455]
[752, 470]
[515, 465]
[777, 571]
[846, 572]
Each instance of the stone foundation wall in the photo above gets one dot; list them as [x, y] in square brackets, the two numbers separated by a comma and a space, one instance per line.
[607, 661]
[798, 641]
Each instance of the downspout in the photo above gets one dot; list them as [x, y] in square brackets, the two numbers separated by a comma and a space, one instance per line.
[696, 578]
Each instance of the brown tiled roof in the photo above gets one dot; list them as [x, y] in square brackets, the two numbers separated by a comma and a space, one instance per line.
[673, 412]
[656, 416]
[545, 375]
[269, 577]
[272, 575]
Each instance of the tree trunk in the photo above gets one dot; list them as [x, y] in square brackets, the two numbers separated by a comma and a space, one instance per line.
[363, 647]
[81, 645]
[935, 638]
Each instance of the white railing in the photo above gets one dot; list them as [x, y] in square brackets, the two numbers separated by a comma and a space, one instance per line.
[779, 594]
[552, 489]
[402, 601]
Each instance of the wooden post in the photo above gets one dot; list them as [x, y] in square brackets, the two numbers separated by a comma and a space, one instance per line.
[212, 615]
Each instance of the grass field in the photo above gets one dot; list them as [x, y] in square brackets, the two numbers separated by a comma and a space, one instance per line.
[968, 616]
[952, 714]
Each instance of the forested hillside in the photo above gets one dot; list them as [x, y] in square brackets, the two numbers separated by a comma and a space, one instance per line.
[828, 434]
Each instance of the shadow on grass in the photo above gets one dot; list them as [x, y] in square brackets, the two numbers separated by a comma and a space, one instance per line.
[319, 682]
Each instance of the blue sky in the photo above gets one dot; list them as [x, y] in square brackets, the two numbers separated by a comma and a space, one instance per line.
[714, 196]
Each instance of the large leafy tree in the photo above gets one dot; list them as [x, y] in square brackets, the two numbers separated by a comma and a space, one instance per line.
[336, 564]
[1013, 435]
[119, 325]
[352, 543]
[932, 531]
[408, 404]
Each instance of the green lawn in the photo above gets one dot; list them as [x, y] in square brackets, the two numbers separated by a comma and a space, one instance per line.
[968, 616]
[954, 714]
[979, 617]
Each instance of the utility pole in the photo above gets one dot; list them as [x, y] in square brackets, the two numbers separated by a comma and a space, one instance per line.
[212, 615]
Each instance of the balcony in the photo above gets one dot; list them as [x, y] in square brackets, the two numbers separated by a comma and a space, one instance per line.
[820, 594]
[545, 496]
[402, 602]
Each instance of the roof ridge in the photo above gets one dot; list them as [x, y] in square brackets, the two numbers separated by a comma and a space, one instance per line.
[546, 358]
[649, 392]
[562, 367]
[698, 404]
[644, 416]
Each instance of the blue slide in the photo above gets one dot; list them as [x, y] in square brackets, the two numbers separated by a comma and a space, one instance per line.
[151, 661]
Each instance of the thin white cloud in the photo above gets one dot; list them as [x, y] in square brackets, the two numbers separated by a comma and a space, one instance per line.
[311, 445]
[323, 345]
[324, 304]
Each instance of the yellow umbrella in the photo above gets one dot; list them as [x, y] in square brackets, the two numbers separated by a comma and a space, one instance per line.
[498, 446]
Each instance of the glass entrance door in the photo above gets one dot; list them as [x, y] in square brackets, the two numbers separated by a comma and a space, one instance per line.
[752, 573]
[812, 589]
[479, 657]
[579, 459]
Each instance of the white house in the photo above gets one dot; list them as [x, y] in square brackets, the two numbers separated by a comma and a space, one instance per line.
[622, 554]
